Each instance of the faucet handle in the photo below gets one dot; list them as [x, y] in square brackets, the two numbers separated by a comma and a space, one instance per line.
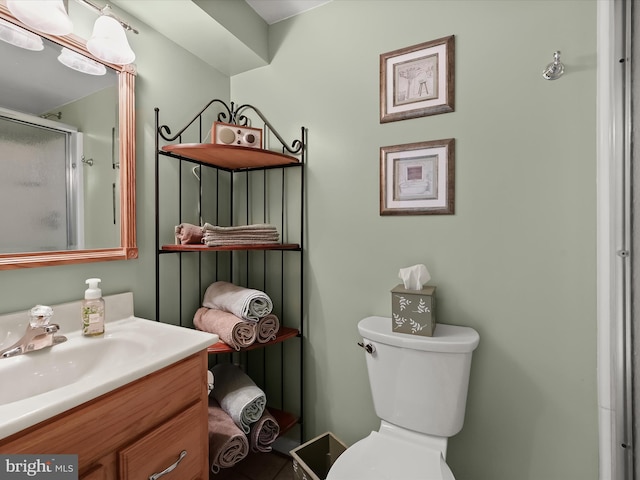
[40, 315]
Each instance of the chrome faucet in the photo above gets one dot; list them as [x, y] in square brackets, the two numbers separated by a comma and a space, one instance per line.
[40, 334]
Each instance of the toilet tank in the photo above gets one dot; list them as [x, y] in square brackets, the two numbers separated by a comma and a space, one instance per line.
[419, 383]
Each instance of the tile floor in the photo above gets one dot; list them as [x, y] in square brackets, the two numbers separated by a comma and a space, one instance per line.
[259, 466]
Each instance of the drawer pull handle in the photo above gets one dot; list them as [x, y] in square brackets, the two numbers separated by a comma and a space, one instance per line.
[170, 468]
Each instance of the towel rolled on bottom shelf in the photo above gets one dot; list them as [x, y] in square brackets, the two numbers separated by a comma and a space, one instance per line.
[264, 432]
[238, 395]
[228, 445]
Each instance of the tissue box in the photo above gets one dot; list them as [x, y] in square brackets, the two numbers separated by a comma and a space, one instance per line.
[412, 311]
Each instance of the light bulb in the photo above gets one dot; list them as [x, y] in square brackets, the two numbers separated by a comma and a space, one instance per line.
[109, 42]
[20, 37]
[81, 63]
[47, 16]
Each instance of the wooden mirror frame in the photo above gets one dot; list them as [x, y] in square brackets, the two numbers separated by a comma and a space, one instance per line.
[127, 150]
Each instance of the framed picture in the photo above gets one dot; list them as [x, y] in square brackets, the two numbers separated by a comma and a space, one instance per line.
[417, 81]
[418, 178]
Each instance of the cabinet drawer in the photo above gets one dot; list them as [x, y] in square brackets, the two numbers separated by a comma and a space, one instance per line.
[161, 448]
[99, 472]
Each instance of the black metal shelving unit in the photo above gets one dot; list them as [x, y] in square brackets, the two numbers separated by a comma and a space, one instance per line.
[243, 185]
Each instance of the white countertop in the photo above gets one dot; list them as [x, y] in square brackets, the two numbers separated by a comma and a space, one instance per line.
[131, 348]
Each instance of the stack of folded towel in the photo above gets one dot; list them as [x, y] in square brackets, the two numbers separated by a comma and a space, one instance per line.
[216, 236]
[238, 418]
[239, 316]
[259, 233]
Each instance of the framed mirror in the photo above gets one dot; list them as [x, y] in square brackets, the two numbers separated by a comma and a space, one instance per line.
[93, 226]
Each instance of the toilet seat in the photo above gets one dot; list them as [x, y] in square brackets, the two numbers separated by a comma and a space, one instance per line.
[382, 457]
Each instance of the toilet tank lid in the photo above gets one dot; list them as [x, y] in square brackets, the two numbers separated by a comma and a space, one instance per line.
[446, 338]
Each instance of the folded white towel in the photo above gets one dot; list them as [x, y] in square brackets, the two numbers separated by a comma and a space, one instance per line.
[216, 236]
[238, 395]
[244, 241]
[256, 227]
[246, 303]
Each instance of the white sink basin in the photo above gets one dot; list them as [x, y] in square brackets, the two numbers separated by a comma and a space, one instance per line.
[56, 367]
[39, 385]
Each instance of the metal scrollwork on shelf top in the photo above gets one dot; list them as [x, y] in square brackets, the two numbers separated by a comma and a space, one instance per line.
[233, 115]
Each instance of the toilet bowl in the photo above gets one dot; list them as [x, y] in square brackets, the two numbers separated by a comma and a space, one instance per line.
[386, 457]
[419, 389]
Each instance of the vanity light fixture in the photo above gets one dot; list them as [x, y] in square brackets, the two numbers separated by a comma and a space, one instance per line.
[47, 16]
[20, 37]
[108, 41]
[81, 63]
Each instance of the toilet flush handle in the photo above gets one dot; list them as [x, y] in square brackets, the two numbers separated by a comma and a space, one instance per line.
[368, 347]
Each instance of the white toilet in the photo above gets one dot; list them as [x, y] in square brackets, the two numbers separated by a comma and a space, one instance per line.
[419, 388]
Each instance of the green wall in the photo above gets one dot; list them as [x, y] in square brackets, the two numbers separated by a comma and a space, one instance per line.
[516, 261]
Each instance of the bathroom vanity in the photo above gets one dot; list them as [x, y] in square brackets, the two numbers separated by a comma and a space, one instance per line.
[135, 431]
[140, 409]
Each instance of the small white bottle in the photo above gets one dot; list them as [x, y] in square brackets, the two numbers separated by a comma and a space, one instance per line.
[93, 309]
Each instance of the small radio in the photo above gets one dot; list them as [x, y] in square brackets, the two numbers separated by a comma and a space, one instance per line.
[236, 135]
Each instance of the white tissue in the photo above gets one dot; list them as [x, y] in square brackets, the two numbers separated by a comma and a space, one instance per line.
[414, 277]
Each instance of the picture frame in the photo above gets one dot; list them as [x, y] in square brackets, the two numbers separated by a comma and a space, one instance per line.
[418, 178]
[418, 81]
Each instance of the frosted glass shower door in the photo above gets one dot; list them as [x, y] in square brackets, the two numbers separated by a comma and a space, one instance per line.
[36, 175]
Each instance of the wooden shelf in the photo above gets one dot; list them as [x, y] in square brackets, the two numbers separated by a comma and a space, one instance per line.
[285, 420]
[280, 169]
[230, 157]
[204, 248]
[285, 333]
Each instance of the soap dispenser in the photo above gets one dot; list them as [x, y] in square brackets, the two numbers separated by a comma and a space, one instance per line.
[93, 309]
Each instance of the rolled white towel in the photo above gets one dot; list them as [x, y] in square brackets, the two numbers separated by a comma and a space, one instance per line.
[238, 395]
[246, 303]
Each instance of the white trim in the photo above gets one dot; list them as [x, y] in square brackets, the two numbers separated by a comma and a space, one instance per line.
[610, 229]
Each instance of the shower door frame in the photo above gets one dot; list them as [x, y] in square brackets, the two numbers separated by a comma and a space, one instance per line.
[614, 268]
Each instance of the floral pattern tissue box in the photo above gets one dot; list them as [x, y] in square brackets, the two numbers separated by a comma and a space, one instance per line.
[412, 311]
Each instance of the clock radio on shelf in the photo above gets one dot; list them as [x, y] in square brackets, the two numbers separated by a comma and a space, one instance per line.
[236, 135]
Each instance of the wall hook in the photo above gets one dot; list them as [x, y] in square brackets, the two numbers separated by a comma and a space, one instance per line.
[87, 161]
[555, 69]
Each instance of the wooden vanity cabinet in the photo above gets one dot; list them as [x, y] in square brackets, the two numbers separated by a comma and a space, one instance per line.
[134, 431]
